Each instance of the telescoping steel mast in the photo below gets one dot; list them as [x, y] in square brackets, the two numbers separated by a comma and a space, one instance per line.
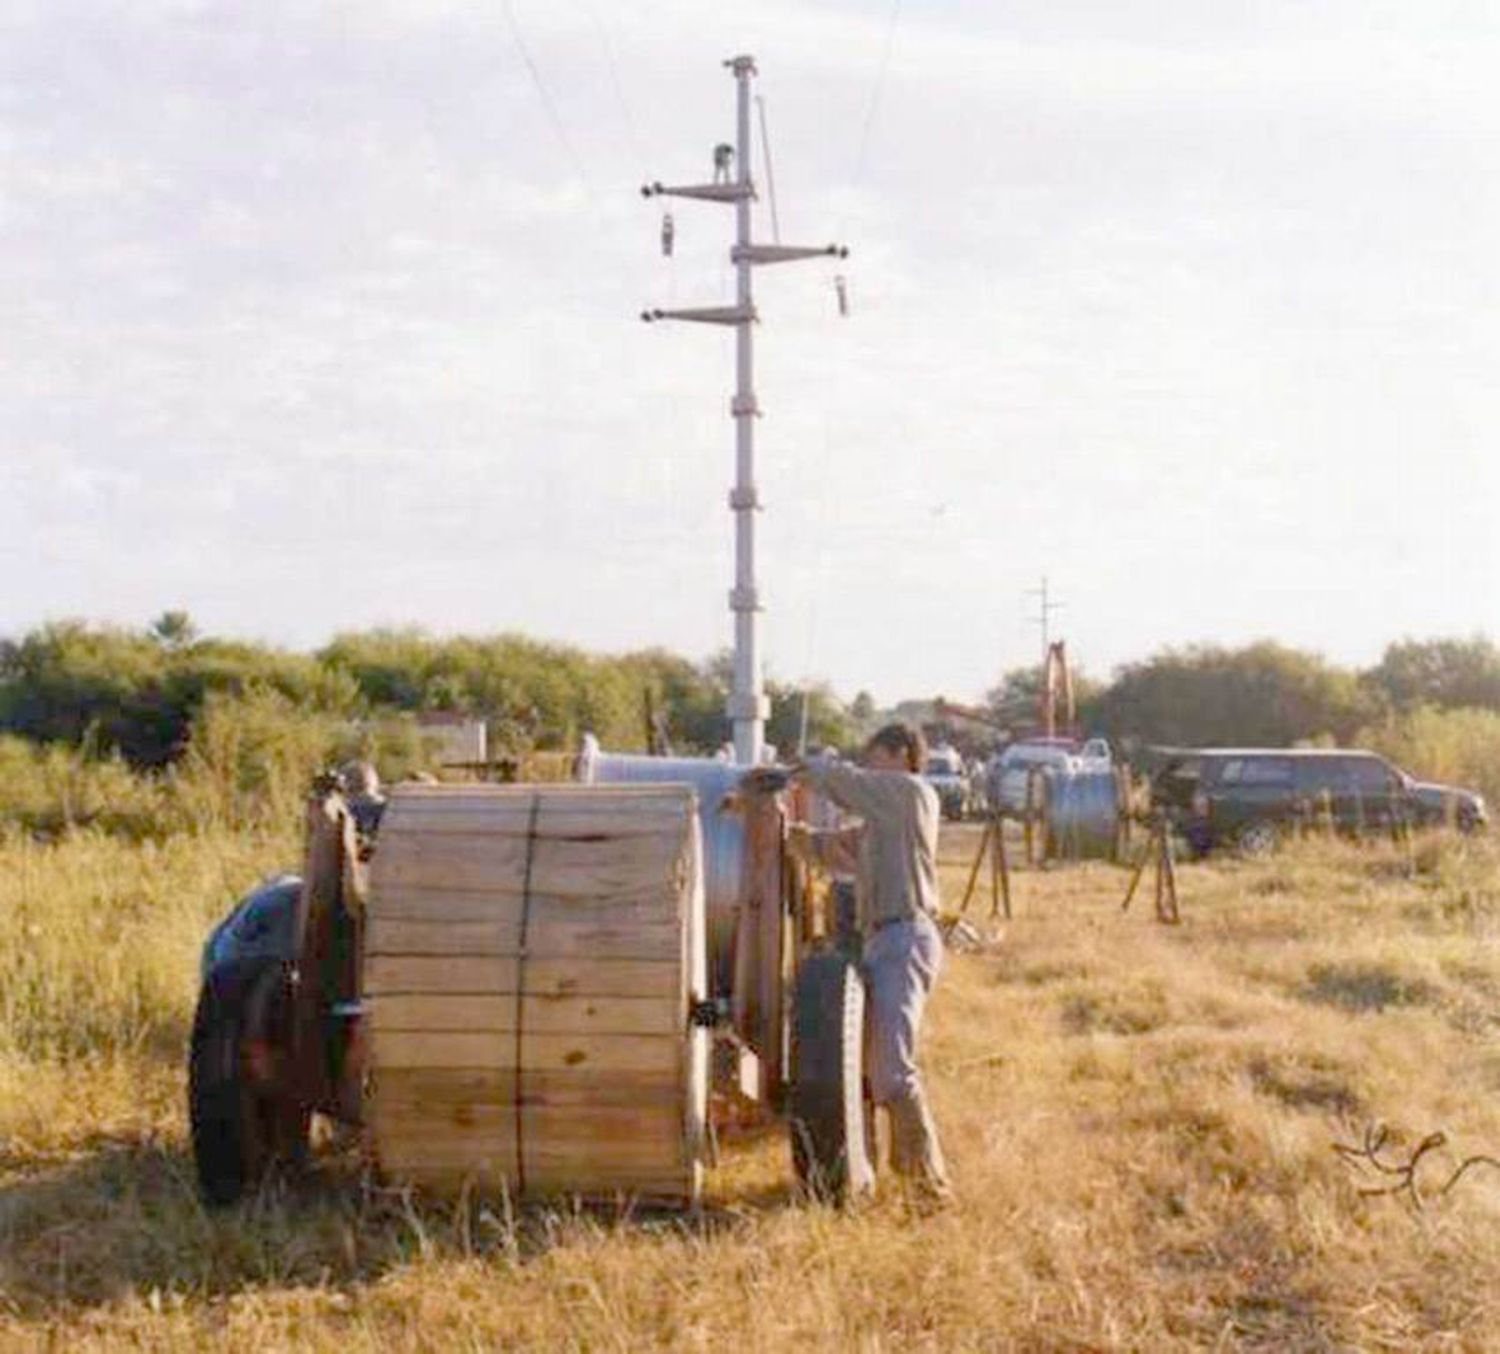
[733, 185]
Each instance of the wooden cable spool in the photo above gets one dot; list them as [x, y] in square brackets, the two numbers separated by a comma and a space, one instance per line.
[532, 956]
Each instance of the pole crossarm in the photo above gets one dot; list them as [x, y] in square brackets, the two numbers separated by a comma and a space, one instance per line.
[785, 253]
[730, 315]
[731, 192]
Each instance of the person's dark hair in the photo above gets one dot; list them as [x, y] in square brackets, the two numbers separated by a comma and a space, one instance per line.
[905, 740]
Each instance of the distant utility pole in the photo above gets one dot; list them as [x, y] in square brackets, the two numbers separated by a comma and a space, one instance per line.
[748, 706]
[1054, 664]
[1045, 607]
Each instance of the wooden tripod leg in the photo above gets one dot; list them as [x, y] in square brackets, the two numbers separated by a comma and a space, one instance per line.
[1002, 860]
[984, 843]
[1157, 838]
[1140, 869]
[1169, 874]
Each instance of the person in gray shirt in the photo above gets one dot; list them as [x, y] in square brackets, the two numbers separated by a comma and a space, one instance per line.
[894, 857]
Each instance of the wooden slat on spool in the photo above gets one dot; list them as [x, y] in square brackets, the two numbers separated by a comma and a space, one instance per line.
[543, 1015]
[640, 904]
[500, 1049]
[564, 938]
[456, 1086]
[531, 955]
[583, 975]
[570, 867]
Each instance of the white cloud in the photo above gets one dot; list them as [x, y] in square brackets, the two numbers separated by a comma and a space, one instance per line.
[1145, 294]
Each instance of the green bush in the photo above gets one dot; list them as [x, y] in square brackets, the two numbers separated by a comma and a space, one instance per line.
[1262, 695]
[1455, 747]
[138, 692]
[48, 790]
[249, 761]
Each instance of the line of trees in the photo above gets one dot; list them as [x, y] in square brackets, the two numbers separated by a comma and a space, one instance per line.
[1269, 694]
[138, 693]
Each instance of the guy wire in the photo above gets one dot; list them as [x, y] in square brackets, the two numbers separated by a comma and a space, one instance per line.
[765, 154]
[547, 103]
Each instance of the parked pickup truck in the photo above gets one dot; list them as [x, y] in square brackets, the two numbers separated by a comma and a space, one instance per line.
[1009, 774]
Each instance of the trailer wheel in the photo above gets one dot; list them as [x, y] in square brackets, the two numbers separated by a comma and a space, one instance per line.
[244, 1119]
[828, 1116]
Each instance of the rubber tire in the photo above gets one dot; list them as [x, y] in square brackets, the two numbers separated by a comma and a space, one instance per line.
[239, 1133]
[828, 1117]
[1258, 839]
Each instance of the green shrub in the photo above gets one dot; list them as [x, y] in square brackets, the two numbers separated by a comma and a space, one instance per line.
[1456, 747]
[249, 761]
[48, 790]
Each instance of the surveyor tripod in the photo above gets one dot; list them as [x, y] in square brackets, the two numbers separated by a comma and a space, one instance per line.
[991, 845]
[1158, 850]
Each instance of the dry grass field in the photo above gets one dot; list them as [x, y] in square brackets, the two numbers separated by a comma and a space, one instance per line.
[1141, 1120]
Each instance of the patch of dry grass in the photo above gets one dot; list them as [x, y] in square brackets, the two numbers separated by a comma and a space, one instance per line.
[1139, 1118]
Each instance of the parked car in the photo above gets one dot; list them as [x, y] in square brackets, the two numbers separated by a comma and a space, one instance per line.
[1009, 774]
[947, 775]
[1252, 797]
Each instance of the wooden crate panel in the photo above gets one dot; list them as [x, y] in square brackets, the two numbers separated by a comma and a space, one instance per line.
[386, 974]
[607, 1054]
[572, 1048]
[662, 1014]
[644, 903]
[591, 868]
[458, 1149]
[555, 821]
[652, 1133]
[442, 1087]
[458, 974]
[477, 1151]
[659, 1124]
[553, 791]
[602, 977]
[547, 934]
[677, 1187]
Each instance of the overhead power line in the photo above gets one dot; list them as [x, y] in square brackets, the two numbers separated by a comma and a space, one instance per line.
[873, 107]
[547, 102]
[626, 112]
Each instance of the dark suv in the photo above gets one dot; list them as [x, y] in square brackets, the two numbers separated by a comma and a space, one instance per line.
[1250, 797]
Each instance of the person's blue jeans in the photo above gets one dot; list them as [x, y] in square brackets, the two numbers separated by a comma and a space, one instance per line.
[901, 963]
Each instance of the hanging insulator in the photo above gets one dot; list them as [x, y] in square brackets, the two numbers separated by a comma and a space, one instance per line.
[841, 286]
[668, 231]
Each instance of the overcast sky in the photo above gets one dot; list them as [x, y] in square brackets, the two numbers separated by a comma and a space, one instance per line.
[323, 316]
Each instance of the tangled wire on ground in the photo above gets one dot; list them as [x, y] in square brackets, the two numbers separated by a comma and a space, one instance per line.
[1400, 1177]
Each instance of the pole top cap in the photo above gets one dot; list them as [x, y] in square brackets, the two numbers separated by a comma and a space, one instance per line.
[742, 65]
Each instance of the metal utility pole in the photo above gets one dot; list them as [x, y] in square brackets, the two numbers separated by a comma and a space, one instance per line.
[1054, 659]
[1043, 618]
[748, 706]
